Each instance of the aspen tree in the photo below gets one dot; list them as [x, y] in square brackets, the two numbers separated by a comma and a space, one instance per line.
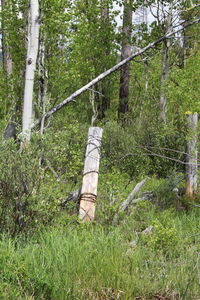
[32, 53]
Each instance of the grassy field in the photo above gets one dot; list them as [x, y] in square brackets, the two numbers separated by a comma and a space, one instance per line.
[76, 261]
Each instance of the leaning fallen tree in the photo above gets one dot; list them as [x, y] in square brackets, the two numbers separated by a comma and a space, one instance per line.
[112, 70]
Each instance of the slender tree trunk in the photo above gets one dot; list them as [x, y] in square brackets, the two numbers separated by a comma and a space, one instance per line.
[32, 52]
[41, 71]
[105, 85]
[165, 66]
[146, 86]
[125, 52]
[184, 50]
[7, 61]
[187, 40]
[42, 95]
[102, 96]
[192, 156]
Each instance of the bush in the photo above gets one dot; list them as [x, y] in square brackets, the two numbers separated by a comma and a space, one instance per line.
[33, 184]
[163, 238]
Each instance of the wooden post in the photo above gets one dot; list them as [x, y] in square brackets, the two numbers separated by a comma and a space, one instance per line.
[90, 176]
[192, 155]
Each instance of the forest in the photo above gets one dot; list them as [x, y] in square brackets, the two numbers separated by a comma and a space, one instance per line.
[99, 177]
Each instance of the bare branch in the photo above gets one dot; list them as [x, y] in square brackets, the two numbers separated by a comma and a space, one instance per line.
[168, 149]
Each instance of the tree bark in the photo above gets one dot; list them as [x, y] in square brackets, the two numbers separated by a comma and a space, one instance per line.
[90, 176]
[192, 156]
[125, 52]
[32, 53]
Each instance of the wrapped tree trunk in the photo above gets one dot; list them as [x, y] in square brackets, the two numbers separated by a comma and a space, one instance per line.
[32, 53]
[90, 176]
[192, 156]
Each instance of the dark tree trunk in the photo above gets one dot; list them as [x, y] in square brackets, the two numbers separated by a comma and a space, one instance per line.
[165, 65]
[125, 52]
[103, 88]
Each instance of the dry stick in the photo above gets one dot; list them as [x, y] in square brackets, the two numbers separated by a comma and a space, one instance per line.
[131, 196]
[110, 71]
[129, 200]
[154, 154]
[167, 149]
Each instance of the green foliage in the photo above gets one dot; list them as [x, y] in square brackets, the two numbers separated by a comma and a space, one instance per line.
[114, 187]
[91, 262]
[34, 183]
[121, 150]
[13, 26]
[163, 238]
[185, 88]
[164, 193]
[81, 261]
[143, 216]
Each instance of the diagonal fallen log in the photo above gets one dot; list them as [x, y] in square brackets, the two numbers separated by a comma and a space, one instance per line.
[112, 70]
[129, 200]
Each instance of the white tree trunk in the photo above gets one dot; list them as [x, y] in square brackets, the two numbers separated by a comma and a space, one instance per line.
[32, 52]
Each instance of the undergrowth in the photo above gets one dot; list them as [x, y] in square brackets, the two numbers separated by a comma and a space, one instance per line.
[81, 261]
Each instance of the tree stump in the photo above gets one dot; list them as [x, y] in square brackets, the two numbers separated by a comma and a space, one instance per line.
[90, 176]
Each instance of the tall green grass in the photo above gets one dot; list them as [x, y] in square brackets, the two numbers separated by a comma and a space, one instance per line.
[95, 262]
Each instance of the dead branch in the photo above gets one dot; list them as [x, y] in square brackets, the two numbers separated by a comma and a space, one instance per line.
[129, 200]
[131, 196]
